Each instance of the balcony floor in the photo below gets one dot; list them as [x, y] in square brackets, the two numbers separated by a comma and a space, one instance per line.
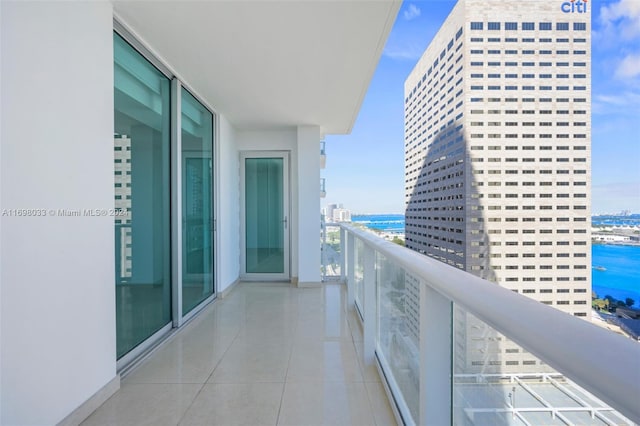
[267, 354]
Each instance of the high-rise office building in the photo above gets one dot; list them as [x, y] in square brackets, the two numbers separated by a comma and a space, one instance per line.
[497, 148]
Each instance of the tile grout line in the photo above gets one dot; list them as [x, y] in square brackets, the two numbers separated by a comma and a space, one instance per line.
[286, 375]
[208, 378]
[361, 365]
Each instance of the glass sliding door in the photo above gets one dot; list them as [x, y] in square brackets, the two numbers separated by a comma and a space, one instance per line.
[265, 205]
[141, 157]
[197, 202]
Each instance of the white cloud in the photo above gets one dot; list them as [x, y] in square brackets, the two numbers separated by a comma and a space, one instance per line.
[411, 52]
[624, 99]
[629, 67]
[621, 19]
[621, 103]
[412, 12]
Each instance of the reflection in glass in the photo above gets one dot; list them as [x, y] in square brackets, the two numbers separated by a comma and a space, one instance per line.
[496, 381]
[399, 328]
[330, 243]
[265, 217]
[141, 169]
[358, 274]
[197, 203]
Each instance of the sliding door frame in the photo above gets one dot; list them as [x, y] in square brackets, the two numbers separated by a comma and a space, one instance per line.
[178, 318]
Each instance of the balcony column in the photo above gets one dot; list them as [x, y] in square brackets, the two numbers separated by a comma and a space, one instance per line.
[369, 304]
[435, 357]
[308, 193]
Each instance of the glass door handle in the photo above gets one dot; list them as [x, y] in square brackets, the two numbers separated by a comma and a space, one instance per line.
[285, 222]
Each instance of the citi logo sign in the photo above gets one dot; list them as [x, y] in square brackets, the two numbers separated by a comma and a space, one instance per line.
[574, 6]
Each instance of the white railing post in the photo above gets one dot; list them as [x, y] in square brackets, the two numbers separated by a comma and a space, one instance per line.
[369, 303]
[343, 248]
[351, 264]
[435, 357]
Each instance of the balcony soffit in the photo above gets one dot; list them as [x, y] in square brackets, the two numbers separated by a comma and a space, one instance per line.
[269, 64]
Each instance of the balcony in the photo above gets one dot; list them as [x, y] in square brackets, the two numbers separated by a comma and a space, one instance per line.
[275, 354]
[456, 349]
[323, 155]
[266, 354]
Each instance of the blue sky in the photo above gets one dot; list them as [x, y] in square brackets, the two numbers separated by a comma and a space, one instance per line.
[365, 170]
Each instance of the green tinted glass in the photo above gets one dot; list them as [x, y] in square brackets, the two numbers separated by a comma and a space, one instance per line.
[141, 167]
[197, 202]
[264, 213]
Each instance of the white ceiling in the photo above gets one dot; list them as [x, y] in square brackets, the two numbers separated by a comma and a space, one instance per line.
[270, 64]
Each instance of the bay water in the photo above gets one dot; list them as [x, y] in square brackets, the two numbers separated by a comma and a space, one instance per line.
[619, 279]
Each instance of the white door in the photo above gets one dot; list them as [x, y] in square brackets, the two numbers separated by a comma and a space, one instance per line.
[264, 219]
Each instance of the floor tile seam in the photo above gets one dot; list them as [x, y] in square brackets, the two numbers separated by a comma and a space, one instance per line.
[190, 405]
[168, 382]
[284, 385]
[240, 382]
[371, 403]
[217, 364]
[208, 378]
[319, 380]
[247, 382]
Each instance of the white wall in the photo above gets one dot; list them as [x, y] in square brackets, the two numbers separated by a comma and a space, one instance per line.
[229, 206]
[58, 307]
[309, 204]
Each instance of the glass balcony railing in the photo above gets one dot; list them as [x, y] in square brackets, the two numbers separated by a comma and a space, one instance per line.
[456, 349]
[331, 251]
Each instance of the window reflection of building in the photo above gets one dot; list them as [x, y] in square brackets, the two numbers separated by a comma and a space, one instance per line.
[122, 205]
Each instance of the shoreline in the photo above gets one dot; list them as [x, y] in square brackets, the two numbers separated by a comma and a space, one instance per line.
[615, 243]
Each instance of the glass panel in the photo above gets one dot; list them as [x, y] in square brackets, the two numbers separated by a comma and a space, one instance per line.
[141, 157]
[399, 328]
[330, 243]
[358, 274]
[197, 202]
[264, 205]
[496, 381]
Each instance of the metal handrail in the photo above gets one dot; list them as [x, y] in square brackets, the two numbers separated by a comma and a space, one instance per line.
[604, 363]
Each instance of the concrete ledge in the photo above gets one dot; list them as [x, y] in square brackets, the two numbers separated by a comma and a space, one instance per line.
[224, 293]
[81, 413]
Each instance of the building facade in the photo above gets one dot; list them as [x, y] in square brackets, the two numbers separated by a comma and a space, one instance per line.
[497, 150]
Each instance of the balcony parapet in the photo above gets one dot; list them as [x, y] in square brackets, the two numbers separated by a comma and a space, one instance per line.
[605, 364]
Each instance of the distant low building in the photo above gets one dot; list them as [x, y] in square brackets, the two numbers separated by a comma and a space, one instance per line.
[336, 213]
[341, 215]
[611, 238]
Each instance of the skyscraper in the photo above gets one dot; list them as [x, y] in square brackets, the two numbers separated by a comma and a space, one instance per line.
[497, 148]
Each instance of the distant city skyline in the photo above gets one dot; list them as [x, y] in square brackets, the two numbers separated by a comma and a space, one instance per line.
[365, 170]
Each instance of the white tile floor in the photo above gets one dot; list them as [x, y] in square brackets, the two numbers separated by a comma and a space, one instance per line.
[268, 354]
